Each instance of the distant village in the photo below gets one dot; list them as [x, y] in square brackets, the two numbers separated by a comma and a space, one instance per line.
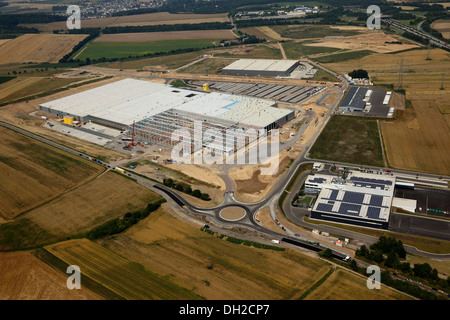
[102, 9]
[274, 14]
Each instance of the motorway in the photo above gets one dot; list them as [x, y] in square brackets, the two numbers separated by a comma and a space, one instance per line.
[433, 40]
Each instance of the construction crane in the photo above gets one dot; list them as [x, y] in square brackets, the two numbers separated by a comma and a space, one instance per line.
[132, 137]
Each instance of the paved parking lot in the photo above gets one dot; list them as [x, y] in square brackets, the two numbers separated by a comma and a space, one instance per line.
[427, 198]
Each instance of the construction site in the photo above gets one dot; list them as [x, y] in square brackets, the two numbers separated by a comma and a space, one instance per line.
[162, 115]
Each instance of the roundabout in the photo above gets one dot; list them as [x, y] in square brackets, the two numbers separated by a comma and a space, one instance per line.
[232, 213]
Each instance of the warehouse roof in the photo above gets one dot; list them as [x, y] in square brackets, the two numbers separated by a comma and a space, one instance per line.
[355, 98]
[261, 65]
[129, 100]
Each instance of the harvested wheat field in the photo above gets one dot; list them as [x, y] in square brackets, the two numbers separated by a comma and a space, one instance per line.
[343, 285]
[421, 141]
[168, 18]
[38, 47]
[123, 277]
[168, 35]
[135, 20]
[33, 173]
[25, 277]
[443, 26]
[172, 248]
[77, 211]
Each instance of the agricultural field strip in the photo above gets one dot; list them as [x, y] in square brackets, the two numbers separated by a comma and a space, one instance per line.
[127, 279]
[166, 35]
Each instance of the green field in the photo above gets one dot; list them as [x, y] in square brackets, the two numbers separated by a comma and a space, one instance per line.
[259, 51]
[324, 76]
[208, 66]
[294, 50]
[311, 31]
[97, 50]
[349, 139]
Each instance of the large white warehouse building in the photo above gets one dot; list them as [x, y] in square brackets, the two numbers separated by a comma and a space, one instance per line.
[157, 109]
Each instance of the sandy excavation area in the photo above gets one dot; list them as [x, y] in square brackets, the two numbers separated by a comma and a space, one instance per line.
[375, 41]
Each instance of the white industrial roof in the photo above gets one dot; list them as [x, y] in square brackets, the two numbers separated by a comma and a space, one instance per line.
[129, 100]
[261, 65]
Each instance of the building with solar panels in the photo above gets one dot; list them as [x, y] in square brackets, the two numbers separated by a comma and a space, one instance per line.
[354, 100]
[361, 199]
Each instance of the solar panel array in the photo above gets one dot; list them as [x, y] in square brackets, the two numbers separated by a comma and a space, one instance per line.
[318, 180]
[373, 213]
[349, 209]
[353, 197]
[352, 204]
[376, 200]
[370, 182]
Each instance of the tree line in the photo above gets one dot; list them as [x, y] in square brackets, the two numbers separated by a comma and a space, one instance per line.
[120, 224]
[186, 189]
[169, 27]
[93, 33]
[390, 253]
[15, 19]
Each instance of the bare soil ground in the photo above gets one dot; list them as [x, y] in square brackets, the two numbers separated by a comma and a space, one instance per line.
[374, 41]
[263, 216]
[38, 47]
[25, 277]
[251, 186]
[167, 35]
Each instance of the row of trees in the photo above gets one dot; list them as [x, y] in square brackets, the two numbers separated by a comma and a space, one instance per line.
[388, 252]
[120, 224]
[359, 74]
[15, 19]
[186, 189]
[93, 33]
